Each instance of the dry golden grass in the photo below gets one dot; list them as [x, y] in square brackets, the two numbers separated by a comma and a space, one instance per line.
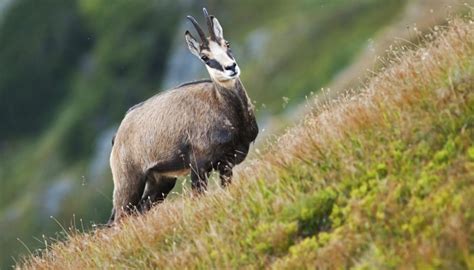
[379, 179]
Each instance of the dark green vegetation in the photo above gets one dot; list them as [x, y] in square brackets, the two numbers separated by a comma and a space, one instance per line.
[70, 69]
[382, 179]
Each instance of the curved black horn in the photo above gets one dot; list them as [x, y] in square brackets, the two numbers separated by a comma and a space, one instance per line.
[198, 28]
[209, 24]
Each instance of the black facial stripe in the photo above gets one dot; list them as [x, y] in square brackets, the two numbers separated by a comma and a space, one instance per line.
[229, 53]
[214, 64]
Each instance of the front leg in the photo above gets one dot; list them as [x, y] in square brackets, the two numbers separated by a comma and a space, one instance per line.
[199, 179]
[225, 174]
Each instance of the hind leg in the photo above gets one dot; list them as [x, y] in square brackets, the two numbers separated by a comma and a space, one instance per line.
[111, 218]
[157, 189]
[128, 191]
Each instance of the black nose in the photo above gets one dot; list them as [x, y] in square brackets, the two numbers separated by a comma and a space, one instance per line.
[231, 68]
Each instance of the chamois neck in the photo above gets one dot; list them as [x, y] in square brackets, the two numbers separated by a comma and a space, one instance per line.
[239, 90]
[246, 110]
[235, 86]
[227, 85]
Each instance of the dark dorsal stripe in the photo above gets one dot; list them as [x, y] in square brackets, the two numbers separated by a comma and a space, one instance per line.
[193, 82]
[179, 86]
[135, 106]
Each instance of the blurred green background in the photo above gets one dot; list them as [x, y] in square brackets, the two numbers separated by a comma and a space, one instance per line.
[69, 70]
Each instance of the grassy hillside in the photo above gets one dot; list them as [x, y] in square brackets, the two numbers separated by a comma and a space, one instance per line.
[375, 180]
[59, 114]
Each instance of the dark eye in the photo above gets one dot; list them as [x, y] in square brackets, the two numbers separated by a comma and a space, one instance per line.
[227, 44]
[204, 58]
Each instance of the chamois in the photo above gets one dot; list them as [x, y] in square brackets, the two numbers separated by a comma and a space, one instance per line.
[194, 128]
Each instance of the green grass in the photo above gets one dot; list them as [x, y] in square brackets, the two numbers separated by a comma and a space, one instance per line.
[382, 179]
[127, 47]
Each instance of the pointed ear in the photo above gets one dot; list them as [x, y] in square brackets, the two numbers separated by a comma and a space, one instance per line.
[217, 28]
[193, 45]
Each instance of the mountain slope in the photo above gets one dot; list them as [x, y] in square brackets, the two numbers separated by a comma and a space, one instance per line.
[381, 179]
[61, 169]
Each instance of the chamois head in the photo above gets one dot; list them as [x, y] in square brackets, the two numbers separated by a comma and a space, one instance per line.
[214, 51]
